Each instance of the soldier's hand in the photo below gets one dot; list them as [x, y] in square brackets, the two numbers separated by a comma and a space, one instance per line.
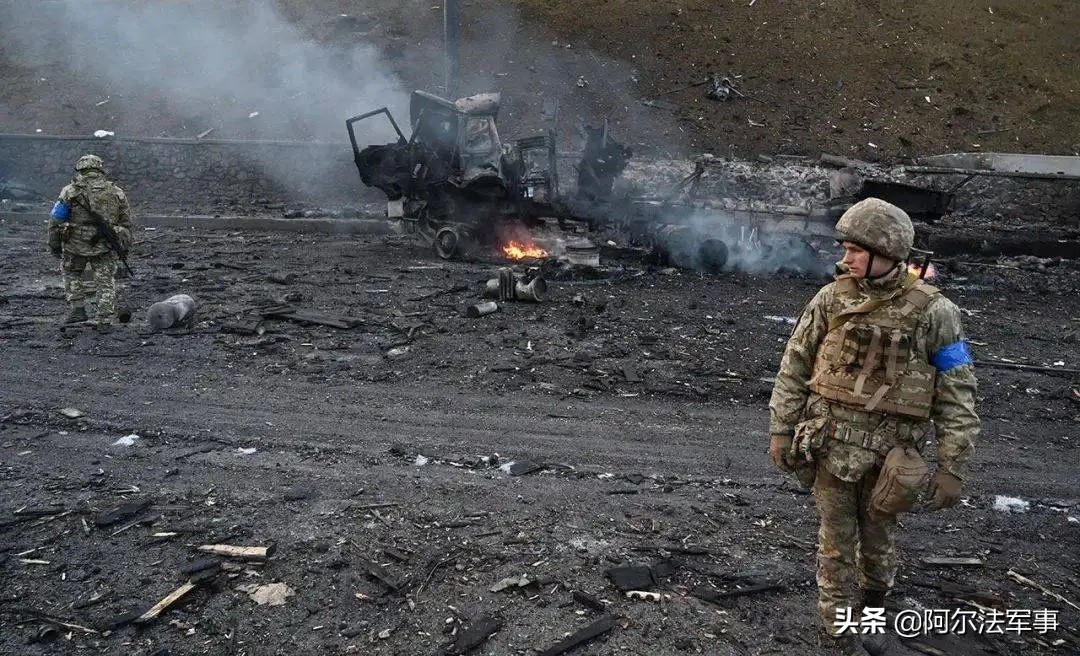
[944, 491]
[780, 452]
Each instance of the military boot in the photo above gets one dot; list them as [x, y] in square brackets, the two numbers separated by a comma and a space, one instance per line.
[76, 315]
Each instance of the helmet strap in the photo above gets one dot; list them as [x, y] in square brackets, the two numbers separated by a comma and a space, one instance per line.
[870, 266]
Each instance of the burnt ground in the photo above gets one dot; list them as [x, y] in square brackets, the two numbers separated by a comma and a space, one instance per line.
[638, 402]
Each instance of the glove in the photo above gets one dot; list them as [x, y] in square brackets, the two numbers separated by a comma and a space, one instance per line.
[944, 490]
[57, 252]
[780, 452]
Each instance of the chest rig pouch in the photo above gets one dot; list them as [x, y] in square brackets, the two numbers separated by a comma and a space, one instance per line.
[867, 360]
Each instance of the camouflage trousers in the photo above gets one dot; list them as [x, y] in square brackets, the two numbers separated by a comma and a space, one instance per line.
[103, 269]
[855, 546]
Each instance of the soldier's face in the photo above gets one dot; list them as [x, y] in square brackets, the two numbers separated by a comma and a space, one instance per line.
[856, 258]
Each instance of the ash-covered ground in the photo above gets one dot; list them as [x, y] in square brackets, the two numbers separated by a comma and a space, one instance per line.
[406, 465]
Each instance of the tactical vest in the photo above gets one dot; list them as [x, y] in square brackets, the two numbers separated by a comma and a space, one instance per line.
[867, 360]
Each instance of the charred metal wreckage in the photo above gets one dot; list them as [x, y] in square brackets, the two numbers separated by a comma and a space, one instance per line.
[454, 181]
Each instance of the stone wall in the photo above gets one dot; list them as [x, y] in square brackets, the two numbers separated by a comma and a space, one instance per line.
[202, 174]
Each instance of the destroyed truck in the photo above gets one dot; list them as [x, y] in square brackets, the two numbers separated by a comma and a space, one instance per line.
[456, 183]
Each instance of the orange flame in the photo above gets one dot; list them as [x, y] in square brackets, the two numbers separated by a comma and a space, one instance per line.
[516, 250]
[917, 269]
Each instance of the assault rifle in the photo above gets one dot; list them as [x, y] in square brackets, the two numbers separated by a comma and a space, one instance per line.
[106, 232]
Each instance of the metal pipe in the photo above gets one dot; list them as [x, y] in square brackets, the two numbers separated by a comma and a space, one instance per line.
[452, 44]
[480, 309]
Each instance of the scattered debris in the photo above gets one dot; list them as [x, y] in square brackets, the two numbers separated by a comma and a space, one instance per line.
[270, 594]
[121, 512]
[519, 581]
[585, 635]
[178, 309]
[101, 134]
[644, 595]
[509, 286]
[951, 561]
[127, 440]
[1006, 504]
[589, 600]
[481, 309]
[72, 413]
[475, 633]
[301, 316]
[631, 577]
[170, 599]
[718, 598]
[1020, 578]
[242, 553]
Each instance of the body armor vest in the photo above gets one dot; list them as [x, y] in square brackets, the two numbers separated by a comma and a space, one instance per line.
[867, 360]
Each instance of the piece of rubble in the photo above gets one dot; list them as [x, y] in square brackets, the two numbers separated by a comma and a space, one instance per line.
[718, 598]
[121, 512]
[585, 635]
[475, 633]
[302, 316]
[380, 574]
[588, 600]
[72, 413]
[631, 577]
[1006, 504]
[127, 440]
[177, 310]
[521, 467]
[481, 309]
[271, 594]
[519, 581]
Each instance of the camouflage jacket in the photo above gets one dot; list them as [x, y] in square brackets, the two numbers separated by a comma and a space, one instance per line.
[78, 235]
[795, 408]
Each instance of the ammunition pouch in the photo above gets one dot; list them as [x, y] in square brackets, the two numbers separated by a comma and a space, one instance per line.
[902, 482]
[880, 442]
[867, 360]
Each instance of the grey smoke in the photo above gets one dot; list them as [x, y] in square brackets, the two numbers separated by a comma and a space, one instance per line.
[216, 61]
[695, 242]
[239, 67]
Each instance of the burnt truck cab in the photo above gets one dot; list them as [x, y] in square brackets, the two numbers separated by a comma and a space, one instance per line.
[453, 179]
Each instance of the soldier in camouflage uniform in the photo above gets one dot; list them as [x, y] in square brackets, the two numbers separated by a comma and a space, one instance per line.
[877, 356]
[74, 237]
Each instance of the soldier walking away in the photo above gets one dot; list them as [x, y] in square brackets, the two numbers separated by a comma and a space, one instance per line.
[90, 229]
[877, 357]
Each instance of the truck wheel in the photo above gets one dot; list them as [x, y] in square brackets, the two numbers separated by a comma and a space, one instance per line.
[446, 243]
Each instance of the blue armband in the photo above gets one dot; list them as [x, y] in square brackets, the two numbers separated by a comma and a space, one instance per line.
[61, 211]
[952, 356]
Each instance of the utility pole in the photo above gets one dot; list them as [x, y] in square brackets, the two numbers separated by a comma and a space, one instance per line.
[452, 43]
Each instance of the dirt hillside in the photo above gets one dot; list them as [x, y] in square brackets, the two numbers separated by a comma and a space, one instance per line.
[868, 79]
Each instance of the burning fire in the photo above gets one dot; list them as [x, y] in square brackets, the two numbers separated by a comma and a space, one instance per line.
[917, 269]
[516, 250]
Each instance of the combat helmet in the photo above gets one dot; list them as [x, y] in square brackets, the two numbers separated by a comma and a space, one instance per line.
[879, 227]
[90, 162]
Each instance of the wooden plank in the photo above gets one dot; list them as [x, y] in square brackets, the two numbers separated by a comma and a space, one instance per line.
[169, 600]
[950, 561]
[243, 553]
[585, 635]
